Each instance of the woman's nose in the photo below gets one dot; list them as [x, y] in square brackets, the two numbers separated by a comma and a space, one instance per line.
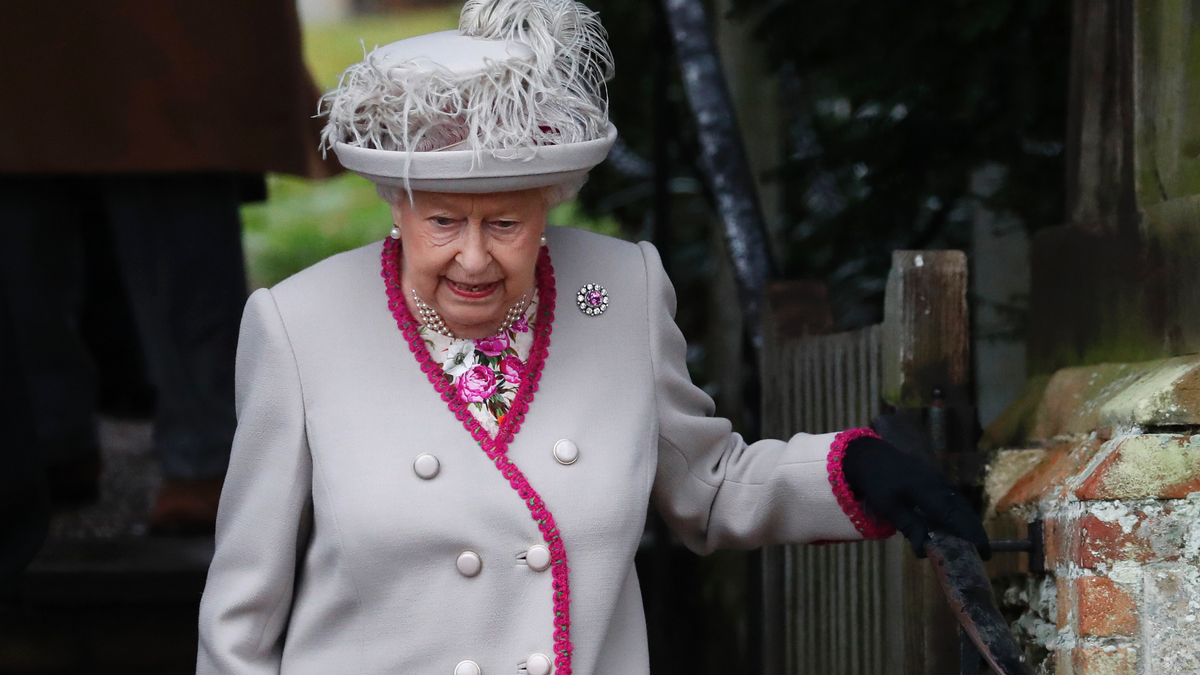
[473, 255]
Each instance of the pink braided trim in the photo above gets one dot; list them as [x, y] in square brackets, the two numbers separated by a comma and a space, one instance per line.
[866, 525]
[497, 448]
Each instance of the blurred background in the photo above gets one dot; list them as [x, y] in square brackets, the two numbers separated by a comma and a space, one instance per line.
[869, 126]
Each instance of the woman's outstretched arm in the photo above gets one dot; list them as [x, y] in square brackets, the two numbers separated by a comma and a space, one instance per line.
[717, 491]
[714, 489]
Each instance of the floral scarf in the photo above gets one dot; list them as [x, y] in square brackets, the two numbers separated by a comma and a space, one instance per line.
[486, 372]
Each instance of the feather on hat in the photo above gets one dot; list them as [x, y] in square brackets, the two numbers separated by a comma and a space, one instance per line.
[514, 99]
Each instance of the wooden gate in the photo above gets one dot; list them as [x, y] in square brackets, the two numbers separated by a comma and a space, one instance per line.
[866, 608]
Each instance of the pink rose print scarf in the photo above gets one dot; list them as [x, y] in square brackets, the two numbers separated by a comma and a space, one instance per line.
[486, 372]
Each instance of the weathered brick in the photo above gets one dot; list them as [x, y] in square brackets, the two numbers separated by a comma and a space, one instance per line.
[1059, 663]
[1058, 534]
[1062, 461]
[1171, 619]
[1152, 538]
[1102, 542]
[1103, 661]
[1109, 532]
[1006, 468]
[1147, 466]
[1066, 601]
[1102, 608]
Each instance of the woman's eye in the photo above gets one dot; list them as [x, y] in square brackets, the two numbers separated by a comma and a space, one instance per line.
[442, 221]
[504, 224]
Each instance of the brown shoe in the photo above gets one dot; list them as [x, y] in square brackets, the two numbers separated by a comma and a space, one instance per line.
[186, 507]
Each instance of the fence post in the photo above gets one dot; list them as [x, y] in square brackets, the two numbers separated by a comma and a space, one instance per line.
[926, 346]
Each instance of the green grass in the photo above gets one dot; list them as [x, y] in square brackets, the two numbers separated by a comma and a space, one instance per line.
[305, 221]
[330, 48]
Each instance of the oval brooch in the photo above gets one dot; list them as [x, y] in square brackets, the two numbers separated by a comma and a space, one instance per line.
[592, 299]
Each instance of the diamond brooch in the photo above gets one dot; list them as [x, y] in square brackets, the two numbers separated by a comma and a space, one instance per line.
[592, 299]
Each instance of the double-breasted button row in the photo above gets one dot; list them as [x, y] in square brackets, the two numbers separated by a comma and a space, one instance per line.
[470, 564]
[536, 664]
[427, 466]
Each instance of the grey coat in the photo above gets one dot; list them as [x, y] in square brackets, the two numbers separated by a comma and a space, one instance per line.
[333, 556]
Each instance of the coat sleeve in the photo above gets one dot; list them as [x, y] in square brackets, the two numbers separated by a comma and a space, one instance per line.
[265, 511]
[715, 490]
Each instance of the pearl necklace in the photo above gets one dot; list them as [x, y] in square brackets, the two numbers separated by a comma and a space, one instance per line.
[431, 319]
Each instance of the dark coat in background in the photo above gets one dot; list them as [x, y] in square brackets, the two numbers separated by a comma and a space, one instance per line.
[136, 86]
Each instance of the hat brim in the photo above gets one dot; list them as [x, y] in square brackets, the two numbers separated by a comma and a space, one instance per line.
[460, 171]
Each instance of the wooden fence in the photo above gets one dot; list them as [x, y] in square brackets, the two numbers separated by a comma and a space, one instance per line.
[866, 608]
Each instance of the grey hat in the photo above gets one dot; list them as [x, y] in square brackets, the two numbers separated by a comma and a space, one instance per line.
[513, 99]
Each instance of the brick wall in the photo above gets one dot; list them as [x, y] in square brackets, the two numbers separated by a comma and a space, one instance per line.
[1112, 468]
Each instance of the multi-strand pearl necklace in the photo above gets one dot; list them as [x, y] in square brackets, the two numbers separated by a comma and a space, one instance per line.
[431, 319]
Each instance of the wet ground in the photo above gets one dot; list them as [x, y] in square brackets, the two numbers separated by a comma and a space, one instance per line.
[102, 597]
[128, 483]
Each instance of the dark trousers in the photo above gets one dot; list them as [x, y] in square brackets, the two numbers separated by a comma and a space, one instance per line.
[177, 243]
[24, 499]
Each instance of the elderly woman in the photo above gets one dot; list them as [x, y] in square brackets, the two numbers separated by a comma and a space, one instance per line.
[447, 443]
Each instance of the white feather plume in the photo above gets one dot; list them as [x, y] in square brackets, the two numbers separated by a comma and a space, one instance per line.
[508, 108]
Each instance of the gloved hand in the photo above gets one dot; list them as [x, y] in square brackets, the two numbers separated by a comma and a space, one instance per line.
[911, 493]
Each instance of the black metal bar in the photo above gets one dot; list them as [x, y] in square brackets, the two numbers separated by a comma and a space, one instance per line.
[1037, 554]
[1011, 545]
[1034, 546]
[723, 159]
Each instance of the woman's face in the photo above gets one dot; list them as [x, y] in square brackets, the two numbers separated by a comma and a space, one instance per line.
[470, 256]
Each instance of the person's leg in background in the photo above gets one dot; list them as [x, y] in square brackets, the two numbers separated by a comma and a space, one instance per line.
[123, 389]
[178, 243]
[24, 500]
[42, 278]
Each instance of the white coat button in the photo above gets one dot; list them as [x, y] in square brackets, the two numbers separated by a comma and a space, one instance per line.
[538, 557]
[539, 664]
[427, 466]
[566, 452]
[467, 668]
[469, 564]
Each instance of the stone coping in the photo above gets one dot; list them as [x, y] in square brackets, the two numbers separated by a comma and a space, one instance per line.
[1087, 399]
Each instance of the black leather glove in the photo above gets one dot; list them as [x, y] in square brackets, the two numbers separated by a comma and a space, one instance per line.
[911, 493]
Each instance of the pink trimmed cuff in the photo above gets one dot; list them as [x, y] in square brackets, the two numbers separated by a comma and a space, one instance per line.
[867, 526]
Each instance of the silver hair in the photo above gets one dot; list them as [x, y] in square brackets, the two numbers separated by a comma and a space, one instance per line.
[554, 195]
[508, 108]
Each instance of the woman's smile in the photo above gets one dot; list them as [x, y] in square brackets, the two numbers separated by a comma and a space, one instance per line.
[472, 291]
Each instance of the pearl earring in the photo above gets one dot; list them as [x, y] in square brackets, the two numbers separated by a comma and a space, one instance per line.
[395, 232]
[544, 242]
